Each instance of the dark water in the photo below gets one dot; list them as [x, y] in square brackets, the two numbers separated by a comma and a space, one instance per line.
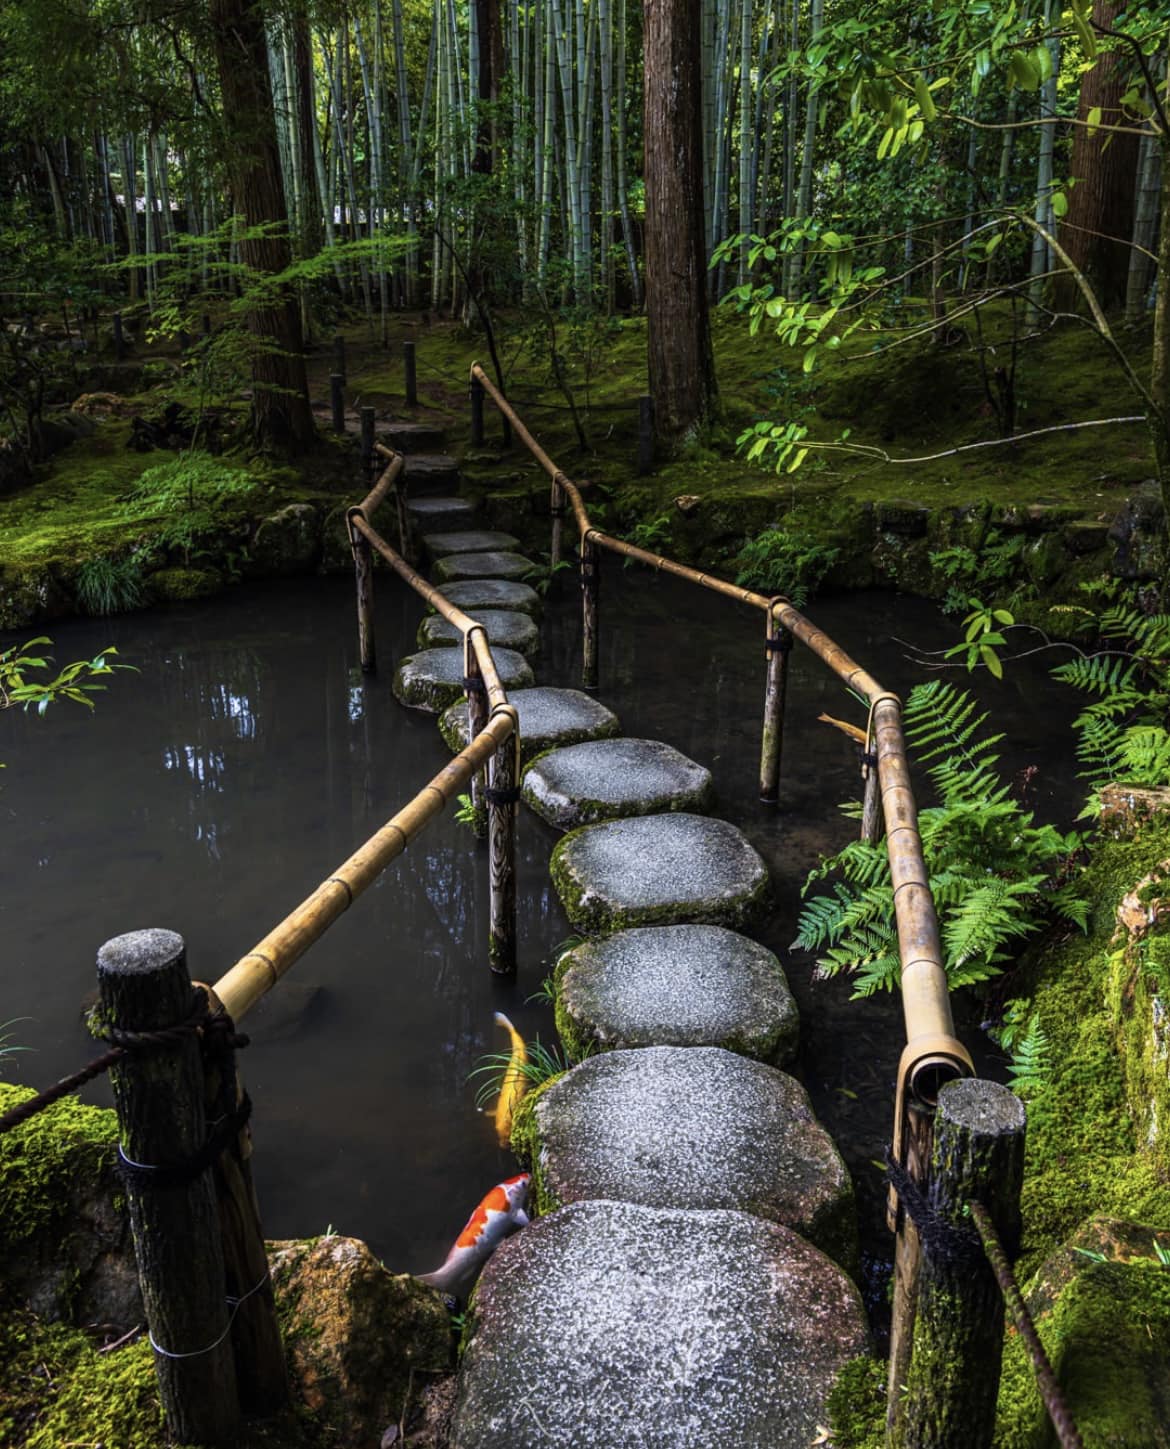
[213, 789]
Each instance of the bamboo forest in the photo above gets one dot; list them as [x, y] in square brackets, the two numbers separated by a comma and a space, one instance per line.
[584, 724]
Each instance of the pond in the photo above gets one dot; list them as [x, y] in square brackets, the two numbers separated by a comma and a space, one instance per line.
[210, 791]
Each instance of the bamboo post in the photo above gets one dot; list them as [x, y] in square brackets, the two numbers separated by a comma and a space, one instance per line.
[505, 430]
[339, 358]
[779, 647]
[368, 458]
[363, 571]
[503, 795]
[337, 401]
[409, 367]
[144, 986]
[476, 413]
[978, 1156]
[590, 590]
[645, 434]
[916, 1137]
[556, 508]
[119, 338]
[477, 718]
[871, 803]
[259, 1357]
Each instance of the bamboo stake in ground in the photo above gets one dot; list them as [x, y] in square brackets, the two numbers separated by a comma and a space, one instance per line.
[363, 569]
[590, 589]
[503, 795]
[158, 1094]
[779, 646]
[477, 718]
[557, 511]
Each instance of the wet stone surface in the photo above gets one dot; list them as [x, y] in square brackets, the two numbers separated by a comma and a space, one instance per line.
[693, 1127]
[658, 870]
[547, 717]
[610, 1323]
[504, 627]
[677, 986]
[489, 565]
[603, 779]
[476, 594]
[440, 545]
[437, 515]
[434, 679]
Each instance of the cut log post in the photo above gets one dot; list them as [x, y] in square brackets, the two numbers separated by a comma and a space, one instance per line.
[978, 1156]
[411, 374]
[368, 457]
[119, 338]
[645, 434]
[337, 401]
[503, 795]
[476, 413]
[590, 594]
[339, 359]
[144, 987]
[779, 647]
[363, 572]
[477, 718]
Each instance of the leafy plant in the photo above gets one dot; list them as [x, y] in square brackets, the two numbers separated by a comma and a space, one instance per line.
[973, 570]
[651, 535]
[77, 681]
[471, 815]
[187, 495]
[7, 1048]
[110, 585]
[544, 1062]
[996, 876]
[983, 638]
[784, 561]
[1022, 1036]
[542, 573]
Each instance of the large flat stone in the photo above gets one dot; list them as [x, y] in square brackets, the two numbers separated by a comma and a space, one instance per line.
[548, 717]
[475, 594]
[489, 565]
[618, 1325]
[676, 986]
[430, 473]
[658, 870]
[434, 679]
[690, 1127]
[603, 779]
[440, 545]
[504, 627]
[405, 437]
[438, 515]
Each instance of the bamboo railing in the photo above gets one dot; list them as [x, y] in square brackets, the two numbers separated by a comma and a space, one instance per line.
[932, 1054]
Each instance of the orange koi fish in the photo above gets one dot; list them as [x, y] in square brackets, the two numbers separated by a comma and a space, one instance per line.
[500, 1213]
[515, 1082]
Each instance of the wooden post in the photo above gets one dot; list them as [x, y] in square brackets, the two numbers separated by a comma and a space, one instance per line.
[339, 358]
[590, 590]
[368, 458]
[872, 824]
[505, 430]
[409, 368]
[779, 647]
[978, 1156]
[145, 987]
[259, 1357]
[119, 338]
[917, 1138]
[477, 718]
[556, 507]
[502, 797]
[645, 434]
[476, 413]
[207, 324]
[363, 571]
[337, 401]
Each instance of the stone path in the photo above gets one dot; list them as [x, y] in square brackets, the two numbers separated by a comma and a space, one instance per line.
[663, 1297]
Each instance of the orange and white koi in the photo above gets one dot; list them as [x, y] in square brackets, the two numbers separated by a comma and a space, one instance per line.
[500, 1213]
[515, 1082]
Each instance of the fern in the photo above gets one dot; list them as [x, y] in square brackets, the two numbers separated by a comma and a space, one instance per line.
[1021, 1034]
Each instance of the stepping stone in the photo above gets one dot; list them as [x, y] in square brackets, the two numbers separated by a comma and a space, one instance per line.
[684, 986]
[657, 870]
[690, 1127]
[608, 778]
[548, 717]
[493, 565]
[439, 545]
[412, 437]
[434, 679]
[504, 627]
[609, 1323]
[430, 473]
[476, 594]
[437, 515]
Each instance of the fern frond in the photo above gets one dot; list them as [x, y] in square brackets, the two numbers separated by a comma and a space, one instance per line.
[1096, 673]
[977, 929]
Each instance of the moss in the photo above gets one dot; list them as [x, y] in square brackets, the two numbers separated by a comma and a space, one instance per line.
[181, 585]
[526, 1145]
[857, 1405]
[43, 1161]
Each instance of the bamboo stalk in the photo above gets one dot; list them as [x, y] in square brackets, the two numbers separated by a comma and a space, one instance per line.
[779, 646]
[505, 777]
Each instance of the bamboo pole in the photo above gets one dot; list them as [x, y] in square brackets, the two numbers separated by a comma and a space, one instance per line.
[477, 717]
[503, 796]
[590, 588]
[556, 512]
[364, 584]
[778, 643]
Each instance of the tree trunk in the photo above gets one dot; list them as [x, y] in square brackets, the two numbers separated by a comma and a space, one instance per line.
[488, 82]
[682, 368]
[280, 402]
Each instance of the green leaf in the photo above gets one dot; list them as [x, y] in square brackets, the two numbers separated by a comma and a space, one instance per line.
[925, 100]
[991, 659]
[1024, 72]
[1059, 204]
[1093, 119]
[810, 358]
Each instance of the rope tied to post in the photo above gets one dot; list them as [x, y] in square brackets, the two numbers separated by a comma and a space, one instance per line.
[955, 1244]
[502, 797]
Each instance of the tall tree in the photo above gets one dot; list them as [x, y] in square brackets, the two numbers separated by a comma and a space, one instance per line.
[682, 367]
[280, 401]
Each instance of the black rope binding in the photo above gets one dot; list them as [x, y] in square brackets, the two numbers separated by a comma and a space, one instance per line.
[958, 1246]
[167, 1175]
[138, 1041]
[502, 797]
[473, 684]
[779, 643]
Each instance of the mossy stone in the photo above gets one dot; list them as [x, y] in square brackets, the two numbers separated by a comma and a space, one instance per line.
[442, 545]
[286, 542]
[476, 594]
[548, 717]
[459, 567]
[603, 779]
[505, 627]
[433, 679]
[181, 586]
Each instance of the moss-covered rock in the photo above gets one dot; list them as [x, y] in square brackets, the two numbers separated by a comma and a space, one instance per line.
[286, 542]
[433, 680]
[181, 585]
[604, 779]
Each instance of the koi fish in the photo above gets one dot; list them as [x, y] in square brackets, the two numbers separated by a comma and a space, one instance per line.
[846, 729]
[500, 1213]
[515, 1082]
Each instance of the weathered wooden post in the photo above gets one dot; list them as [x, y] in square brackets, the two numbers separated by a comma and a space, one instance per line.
[916, 1147]
[503, 795]
[476, 393]
[368, 457]
[556, 508]
[119, 338]
[477, 718]
[978, 1156]
[872, 824]
[158, 1092]
[410, 370]
[339, 358]
[778, 643]
[337, 401]
[645, 434]
[363, 571]
[590, 591]
[505, 429]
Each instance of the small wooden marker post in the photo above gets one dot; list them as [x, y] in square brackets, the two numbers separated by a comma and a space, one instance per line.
[645, 434]
[158, 1094]
[368, 458]
[119, 338]
[411, 374]
[363, 572]
[476, 393]
[779, 647]
[337, 401]
[590, 591]
[339, 358]
[978, 1156]
[504, 778]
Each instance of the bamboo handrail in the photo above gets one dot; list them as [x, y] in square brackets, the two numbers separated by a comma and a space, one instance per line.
[933, 1053]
